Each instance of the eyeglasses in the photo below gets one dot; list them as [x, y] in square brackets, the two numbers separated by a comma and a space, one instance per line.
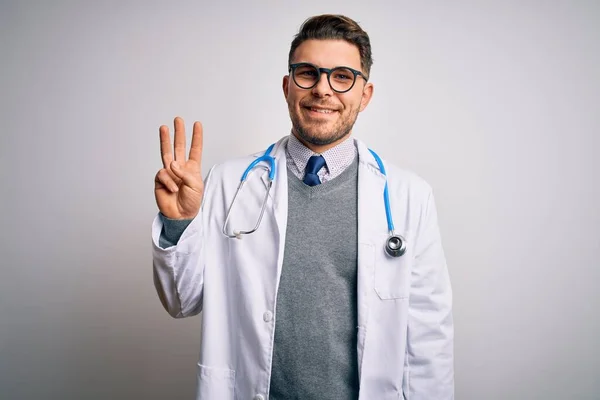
[341, 79]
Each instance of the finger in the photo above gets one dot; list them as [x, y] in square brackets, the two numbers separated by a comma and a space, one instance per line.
[166, 152]
[197, 143]
[163, 178]
[188, 177]
[179, 140]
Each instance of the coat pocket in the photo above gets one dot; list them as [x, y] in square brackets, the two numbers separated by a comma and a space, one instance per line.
[215, 383]
[392, 274]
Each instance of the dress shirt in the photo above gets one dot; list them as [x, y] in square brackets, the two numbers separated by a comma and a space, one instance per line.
[337, 158]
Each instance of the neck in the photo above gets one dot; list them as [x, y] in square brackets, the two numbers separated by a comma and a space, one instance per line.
[320, 148]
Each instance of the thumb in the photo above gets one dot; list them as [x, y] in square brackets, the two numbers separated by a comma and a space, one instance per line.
[186, 176]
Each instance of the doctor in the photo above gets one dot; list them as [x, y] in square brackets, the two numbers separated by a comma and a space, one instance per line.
[310, 305]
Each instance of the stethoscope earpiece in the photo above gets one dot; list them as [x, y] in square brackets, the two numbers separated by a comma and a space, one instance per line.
[395, 246]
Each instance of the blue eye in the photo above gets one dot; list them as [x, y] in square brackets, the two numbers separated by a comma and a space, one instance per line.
[342, 77]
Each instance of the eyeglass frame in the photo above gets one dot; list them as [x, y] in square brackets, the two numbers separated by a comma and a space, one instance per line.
[328, 71]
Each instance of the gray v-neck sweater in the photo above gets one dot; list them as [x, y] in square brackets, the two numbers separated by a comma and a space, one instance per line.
[314, 356]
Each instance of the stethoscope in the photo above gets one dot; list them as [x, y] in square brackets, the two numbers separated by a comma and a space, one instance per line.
[395, 244]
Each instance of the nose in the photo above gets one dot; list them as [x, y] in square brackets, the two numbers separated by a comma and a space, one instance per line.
[322, 88]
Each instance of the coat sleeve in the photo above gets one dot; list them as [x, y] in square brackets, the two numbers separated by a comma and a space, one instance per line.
[179, 269]
[430, 347]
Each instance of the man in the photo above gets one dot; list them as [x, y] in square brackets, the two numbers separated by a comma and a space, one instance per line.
[310, 305]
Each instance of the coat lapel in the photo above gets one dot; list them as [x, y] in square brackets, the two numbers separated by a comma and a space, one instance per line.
[279, 197]
[371, 223]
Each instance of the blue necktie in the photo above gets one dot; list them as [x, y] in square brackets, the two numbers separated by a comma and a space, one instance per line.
[315, 163]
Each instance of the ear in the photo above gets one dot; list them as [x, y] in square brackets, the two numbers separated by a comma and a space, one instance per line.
[286, 88]
[366, 96]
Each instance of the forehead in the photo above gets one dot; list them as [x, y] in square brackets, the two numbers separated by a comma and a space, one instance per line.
[328, 53]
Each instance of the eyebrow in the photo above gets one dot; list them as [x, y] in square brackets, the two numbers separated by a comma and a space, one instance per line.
[320, 66]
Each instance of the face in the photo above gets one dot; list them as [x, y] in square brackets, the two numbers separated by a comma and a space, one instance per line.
[321, 118]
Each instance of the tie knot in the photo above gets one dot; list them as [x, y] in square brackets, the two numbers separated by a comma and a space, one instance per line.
[315, 163]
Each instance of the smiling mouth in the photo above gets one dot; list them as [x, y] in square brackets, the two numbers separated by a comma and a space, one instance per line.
[324, 111]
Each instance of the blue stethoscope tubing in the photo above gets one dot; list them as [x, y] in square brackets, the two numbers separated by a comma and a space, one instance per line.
[395, 245]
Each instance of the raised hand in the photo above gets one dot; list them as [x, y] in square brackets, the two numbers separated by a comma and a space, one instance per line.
[178, 186]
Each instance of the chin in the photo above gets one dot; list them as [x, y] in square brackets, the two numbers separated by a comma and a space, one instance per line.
[319, 137]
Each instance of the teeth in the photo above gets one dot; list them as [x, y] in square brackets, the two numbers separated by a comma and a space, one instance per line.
[322, 111]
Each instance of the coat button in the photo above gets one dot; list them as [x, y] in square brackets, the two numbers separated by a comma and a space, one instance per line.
[267, 316]
[259, 397]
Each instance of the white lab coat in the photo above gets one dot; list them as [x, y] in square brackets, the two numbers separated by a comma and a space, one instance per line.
[405, 326]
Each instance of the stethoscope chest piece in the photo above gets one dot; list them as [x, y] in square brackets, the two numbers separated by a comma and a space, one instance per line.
[395, 245]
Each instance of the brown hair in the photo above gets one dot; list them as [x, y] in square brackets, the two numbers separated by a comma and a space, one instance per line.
[334, 27]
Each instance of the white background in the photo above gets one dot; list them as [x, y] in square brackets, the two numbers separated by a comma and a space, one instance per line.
[496, 104]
